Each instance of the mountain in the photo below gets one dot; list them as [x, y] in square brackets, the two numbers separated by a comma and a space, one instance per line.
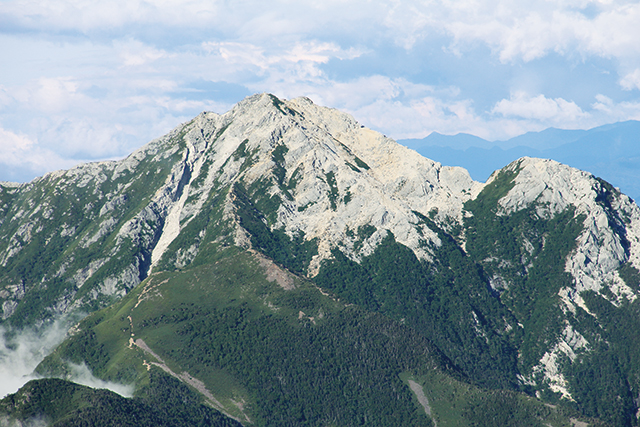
[289, 266]
[610, 151]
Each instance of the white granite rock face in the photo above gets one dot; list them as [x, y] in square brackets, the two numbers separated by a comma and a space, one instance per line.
[346, 176]
[610, 237]
[610, 234]
[333, 176]
[34, 208]
[340, 176]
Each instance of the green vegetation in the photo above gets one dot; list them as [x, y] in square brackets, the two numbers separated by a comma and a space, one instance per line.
[525, 253]
[241, 151]
[274, 347]
[208, 231]
[331, 365]
[630, 275]
[53, 248]
[361, 163]
[292, 357]
[296, 177]
[282, 107]
[455, 403]
[277, 103]
[610, 372]
[347, 197]
[165, 402]
[293, 253]
[448, 303]
[333, 189]
[353, 168]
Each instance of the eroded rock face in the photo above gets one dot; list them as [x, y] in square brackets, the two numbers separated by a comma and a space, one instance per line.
[611, 220]
[91, 233]
[608, 240]
[88, 228]
[330, 176]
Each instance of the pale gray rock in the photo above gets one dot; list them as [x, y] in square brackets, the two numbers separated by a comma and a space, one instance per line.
[554, 187]
[332, 176]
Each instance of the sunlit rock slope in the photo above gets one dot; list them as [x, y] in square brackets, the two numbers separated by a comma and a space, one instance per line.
[527, 282]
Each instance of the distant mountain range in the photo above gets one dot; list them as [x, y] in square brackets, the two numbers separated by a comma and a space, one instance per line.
[611, 152]
[283, 265]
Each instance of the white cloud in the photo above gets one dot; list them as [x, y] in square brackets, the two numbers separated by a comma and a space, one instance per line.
[48, 95]
[81, 374]
[609, 111]
[22, 350]
[631, 81]
[23, 158]
[318, 52]
[524, 31]
[20, 354]
[556, 110]
[238, 54]
[409, 120]
[515, 30]
[19, 151]
[89, 81]
[87, 16]
[245, 56]
[13, 147]
[135, 53]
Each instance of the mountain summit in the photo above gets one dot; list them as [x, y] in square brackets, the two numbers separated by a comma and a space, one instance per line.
[296, 268]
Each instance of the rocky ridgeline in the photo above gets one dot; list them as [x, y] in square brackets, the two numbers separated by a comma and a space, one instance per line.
[610, 235]
[85, 236]
[609, 238]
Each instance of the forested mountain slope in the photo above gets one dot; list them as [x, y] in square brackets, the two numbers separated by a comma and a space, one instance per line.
[296, 268]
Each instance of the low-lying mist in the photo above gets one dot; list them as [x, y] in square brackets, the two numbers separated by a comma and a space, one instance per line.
[22, 350]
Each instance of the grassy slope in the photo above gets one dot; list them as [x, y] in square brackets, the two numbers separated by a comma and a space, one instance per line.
[286, 357]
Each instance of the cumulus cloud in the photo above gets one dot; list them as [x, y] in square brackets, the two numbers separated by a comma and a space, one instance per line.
[21, 158]
[89, 81]
[539, 107]
[13, 147]
[631, 81]
[608, 111]
[526, 31]
[515, 30]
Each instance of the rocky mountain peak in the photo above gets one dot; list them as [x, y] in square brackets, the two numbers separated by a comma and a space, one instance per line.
[514, 271]
[329, 175]
[609, 237]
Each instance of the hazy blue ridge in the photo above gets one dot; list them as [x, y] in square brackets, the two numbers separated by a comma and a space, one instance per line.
[611, 152]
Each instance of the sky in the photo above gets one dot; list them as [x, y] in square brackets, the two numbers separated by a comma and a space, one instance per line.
[82, 80]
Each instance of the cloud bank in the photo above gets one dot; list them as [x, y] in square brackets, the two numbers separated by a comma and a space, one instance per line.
[85, 81]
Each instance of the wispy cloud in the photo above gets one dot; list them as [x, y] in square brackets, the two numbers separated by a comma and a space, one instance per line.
[85, 80]
[22, 350]
[81, 374]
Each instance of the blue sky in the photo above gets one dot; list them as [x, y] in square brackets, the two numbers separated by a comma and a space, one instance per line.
[82, 80]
